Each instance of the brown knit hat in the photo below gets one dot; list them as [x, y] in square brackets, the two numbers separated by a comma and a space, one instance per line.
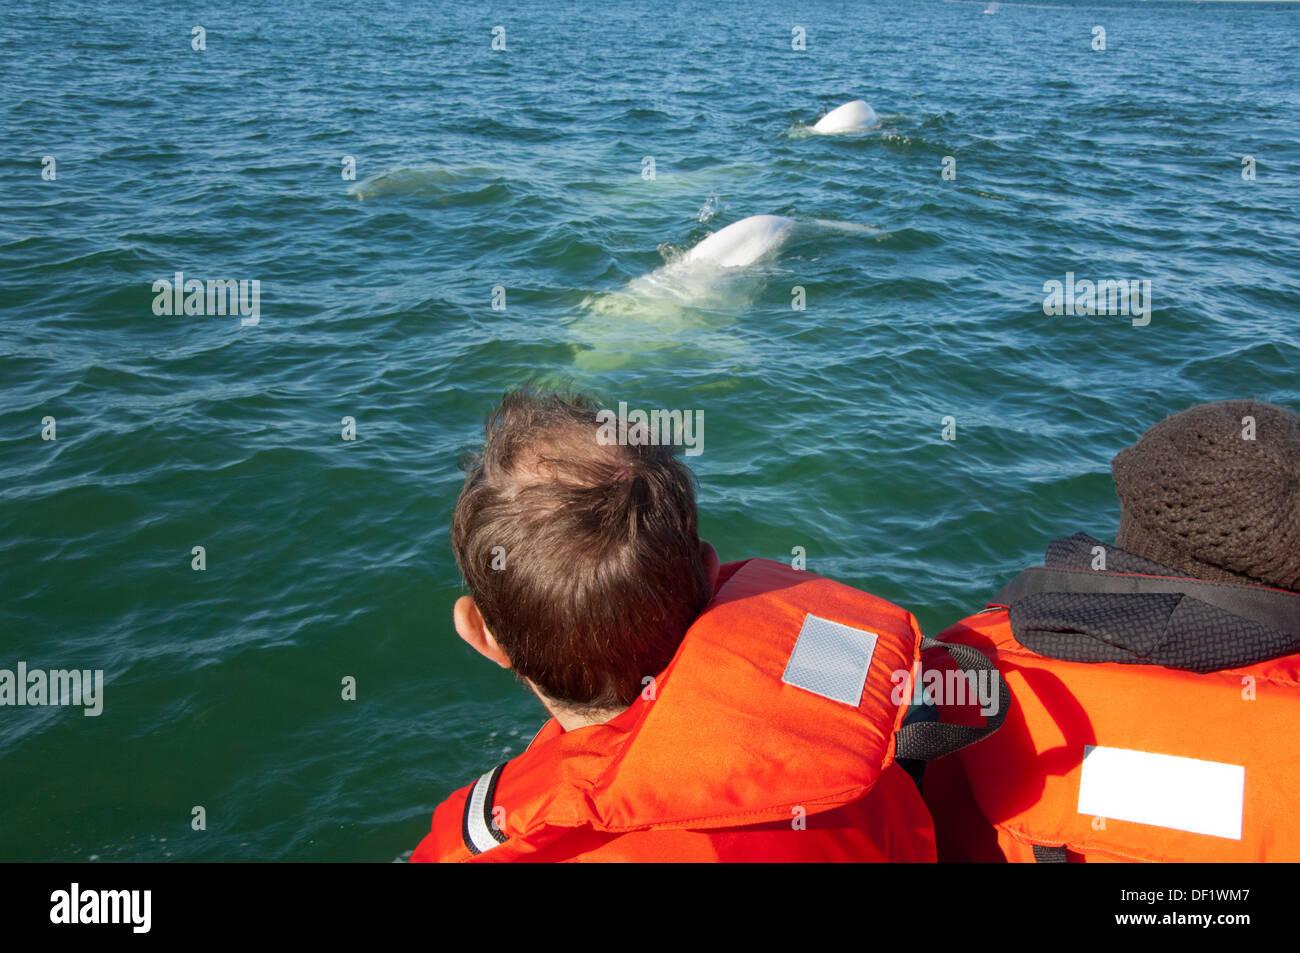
[1199, 497]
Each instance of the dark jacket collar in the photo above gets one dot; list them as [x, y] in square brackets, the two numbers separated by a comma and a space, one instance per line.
[1155, 623]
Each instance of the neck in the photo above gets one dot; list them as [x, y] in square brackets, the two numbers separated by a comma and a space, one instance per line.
[571, 719]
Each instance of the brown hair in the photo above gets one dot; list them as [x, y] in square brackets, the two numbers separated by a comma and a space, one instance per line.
[598, 570]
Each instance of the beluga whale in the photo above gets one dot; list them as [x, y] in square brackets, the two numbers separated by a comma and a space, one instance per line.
[851, 117]
[742, 243]
[692, 299]
[719, 273]
[686, 308]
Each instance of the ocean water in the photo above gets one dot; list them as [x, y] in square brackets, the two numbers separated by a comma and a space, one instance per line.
[525, 169]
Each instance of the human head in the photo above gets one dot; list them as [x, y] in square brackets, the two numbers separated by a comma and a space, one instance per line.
[1214, 492]
[583, 560]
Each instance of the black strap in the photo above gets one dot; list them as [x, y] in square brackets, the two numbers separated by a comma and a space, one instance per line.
[928, 740]
[477, 827]
[1049, 855]
[1271, 607]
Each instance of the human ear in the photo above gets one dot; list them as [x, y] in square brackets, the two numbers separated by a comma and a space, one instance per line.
[471, 627]
[710, 563]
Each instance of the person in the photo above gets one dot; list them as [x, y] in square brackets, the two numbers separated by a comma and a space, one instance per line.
[699, 712]
[1155, 683]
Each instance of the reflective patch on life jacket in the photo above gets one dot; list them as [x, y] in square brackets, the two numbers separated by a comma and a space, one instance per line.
[1183, 794]
[831, 659]
[478, 828]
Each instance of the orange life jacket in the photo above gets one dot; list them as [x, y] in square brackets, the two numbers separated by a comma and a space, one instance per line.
[1108, 761]
[769, 736]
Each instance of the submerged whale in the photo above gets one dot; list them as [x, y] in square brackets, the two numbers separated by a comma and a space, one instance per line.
[848, 118]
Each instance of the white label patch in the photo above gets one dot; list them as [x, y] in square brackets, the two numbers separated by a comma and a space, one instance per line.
[1183, 794]
[831, 659]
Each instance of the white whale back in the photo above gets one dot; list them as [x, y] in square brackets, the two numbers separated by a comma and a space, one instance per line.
[742, 243]
[689, 295]
[851, 116]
